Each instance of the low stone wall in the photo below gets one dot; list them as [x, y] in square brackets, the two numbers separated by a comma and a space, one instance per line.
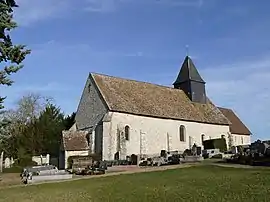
[191, 159]
[56, 177]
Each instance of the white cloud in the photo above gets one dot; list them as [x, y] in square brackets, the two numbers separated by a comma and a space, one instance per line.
[182, 3]
[52, 47]
[101, 5]
[136, 54]
[16, 91]
[31, 11]
[105, 6]
[49, 87]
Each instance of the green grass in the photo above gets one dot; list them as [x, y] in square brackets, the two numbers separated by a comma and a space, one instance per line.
[15, 169]
[201, 183]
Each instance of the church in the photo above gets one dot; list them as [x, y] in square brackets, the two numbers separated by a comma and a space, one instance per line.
[118, 117]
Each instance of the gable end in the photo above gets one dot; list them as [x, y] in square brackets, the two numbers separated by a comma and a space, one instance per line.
[92, 106]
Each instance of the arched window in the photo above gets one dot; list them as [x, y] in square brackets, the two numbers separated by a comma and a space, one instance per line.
[203, 138]
[222, 136]
[182, 133]
[127, 132]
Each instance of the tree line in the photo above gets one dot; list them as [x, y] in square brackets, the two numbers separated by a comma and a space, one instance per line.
[33, 127]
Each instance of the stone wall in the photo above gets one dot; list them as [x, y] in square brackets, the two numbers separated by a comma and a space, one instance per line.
[155, 133]
[91, 107]
[241, 139]
[74, 153]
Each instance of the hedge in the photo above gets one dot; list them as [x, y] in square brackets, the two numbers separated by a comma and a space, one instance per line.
[216, 144]
[24, 162]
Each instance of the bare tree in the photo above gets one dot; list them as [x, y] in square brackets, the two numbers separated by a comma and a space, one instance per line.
[30, 106]
[27, 109]
[14, 120]
[14, 123]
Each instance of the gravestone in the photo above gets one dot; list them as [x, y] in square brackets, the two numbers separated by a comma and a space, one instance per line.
[7, 162]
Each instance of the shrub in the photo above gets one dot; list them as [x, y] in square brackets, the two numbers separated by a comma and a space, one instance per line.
[70, 161]
[24, 162]
[187, 152]
[205, 155]
[246, 160]
[216, 144]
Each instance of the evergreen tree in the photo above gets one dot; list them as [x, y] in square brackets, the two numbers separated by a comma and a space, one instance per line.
[11, 56]
[69, 121]
[50, 126]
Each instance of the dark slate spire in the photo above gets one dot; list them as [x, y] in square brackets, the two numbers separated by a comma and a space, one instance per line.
[188, 72]
[190, 81]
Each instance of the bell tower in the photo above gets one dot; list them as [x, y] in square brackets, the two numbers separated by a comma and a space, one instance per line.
[190, 81]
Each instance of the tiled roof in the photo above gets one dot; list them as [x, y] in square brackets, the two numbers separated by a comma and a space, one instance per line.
[75, 140]
[141, 98]
[237, 126]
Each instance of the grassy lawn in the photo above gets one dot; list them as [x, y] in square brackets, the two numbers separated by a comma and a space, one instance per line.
[201, 183]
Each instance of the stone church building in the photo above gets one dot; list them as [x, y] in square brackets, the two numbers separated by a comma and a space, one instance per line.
[124, 117]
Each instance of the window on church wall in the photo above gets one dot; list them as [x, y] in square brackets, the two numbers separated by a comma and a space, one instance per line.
[242, 140]
[182, 133]
[222, 136]
[127, 130]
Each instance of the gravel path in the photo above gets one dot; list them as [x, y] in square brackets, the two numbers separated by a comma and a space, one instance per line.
[228, 165]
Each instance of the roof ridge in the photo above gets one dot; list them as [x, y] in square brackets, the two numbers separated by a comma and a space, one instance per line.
[137, 99]
[91, 76]
[133, 80]
[224, 108]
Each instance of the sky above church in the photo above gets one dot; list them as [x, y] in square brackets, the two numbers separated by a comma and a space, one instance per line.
[146, 40]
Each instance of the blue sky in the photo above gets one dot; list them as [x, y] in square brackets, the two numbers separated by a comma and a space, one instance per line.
[145, 40]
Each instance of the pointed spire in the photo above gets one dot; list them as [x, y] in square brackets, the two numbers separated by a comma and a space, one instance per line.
[190, 81]
[188, 72]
